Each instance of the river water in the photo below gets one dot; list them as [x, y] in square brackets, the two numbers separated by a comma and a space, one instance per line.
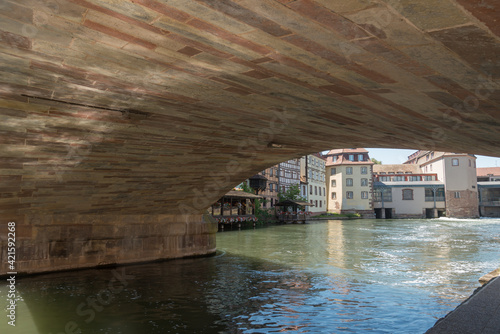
[354, 276]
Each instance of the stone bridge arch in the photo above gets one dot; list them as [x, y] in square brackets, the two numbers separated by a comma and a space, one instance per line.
[122, 121]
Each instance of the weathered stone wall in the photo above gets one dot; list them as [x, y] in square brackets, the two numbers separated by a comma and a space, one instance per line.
[467, 206]
[490, 211]
[408, 216]
[369, 214]
[60, 242]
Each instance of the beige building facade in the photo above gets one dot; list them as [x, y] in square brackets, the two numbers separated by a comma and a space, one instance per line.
[270, 194]
[349, 182]
[458, 173]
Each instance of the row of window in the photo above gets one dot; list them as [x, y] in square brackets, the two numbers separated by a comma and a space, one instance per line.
[349, 170]
[272, 172]
[408, 195]
[316, 202]
[314, 175]
[273, 187]
[392, 173]
[293, 164]
[316, 162]
[316, 190]
[352, 157]
[350, 195]
[286, 173]
[456, 162]
[350, 182]
[407, 178]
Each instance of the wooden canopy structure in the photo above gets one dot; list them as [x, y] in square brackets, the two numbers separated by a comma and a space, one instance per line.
[235, 203]
[294, 216]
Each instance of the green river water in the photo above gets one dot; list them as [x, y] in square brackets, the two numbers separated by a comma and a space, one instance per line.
[351, 276]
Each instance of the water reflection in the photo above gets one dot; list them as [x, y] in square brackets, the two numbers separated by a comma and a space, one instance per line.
[333, 277]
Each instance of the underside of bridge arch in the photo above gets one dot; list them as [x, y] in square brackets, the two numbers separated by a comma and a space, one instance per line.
[122, 121]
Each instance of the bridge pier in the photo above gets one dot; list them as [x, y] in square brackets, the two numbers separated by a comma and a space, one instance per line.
[62, 242]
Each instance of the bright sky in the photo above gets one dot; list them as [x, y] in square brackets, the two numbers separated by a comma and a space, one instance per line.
[397, 156]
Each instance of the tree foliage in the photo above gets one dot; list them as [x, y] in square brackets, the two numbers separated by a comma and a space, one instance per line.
[258, 202]
[376, 162]
[292, 193]
[246, 188]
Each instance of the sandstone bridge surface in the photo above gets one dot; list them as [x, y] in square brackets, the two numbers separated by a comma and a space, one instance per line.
[122, 121]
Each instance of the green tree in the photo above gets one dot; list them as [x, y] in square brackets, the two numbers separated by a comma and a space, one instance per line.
[258, 202]
[246, 188]
[376, 162]
[292, 194]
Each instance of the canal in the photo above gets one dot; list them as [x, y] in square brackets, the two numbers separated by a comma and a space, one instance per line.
[354, 276]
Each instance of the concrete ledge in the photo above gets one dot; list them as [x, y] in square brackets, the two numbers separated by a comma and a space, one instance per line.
[480, 313]
[331, 218]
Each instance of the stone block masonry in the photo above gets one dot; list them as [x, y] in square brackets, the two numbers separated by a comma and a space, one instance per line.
[63, 242]
[464, 206]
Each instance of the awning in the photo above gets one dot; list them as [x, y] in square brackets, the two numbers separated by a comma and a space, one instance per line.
[241, 194]
[292, 203]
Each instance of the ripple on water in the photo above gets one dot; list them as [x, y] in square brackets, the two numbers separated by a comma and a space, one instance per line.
[357, 276]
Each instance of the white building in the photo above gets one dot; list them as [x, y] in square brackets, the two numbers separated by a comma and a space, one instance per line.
[403, 191]
[349, 181]
[288, 174]
[313, 187]
[429, 184]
